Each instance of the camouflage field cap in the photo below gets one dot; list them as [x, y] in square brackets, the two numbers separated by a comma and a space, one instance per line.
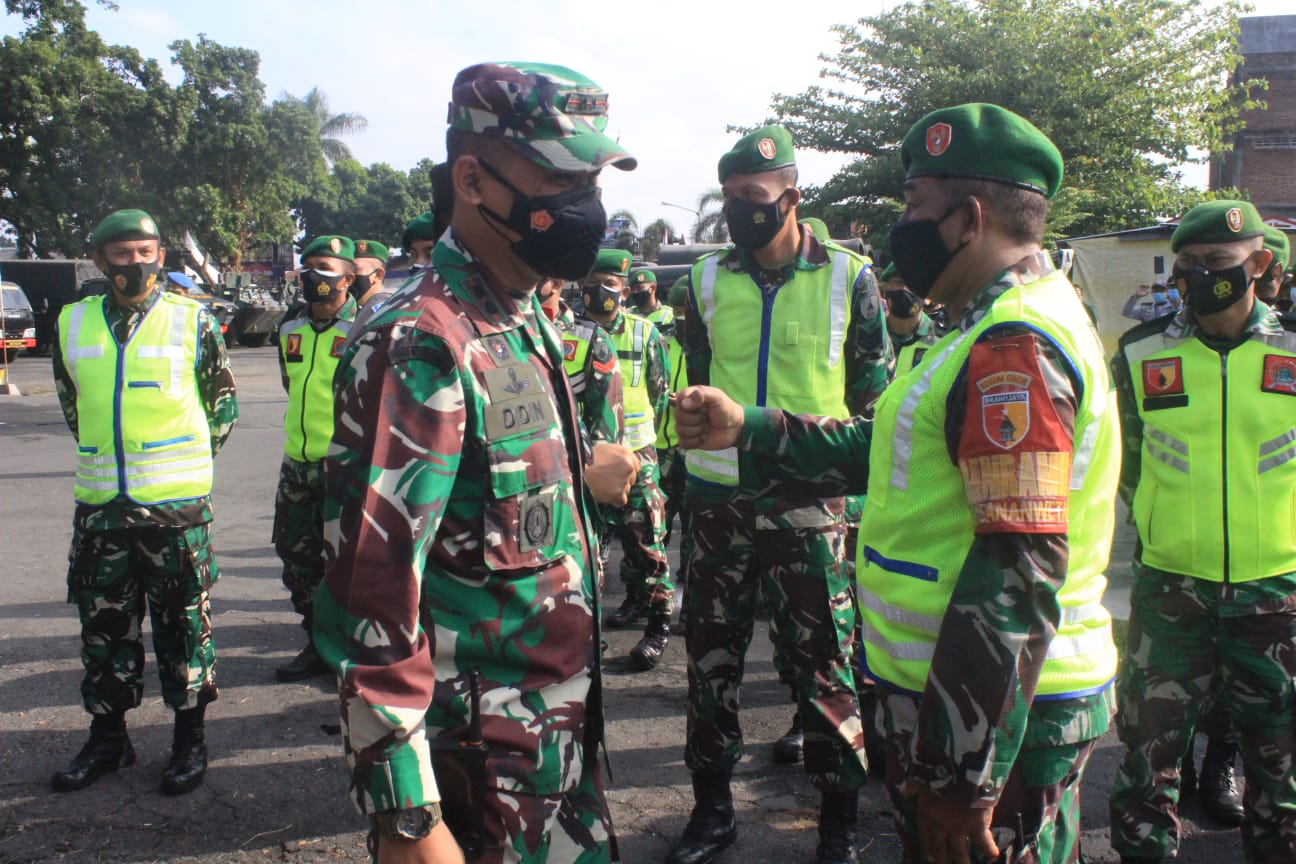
[124, 225]
[613, 261]
[330, 246]
[1276, 241]
[371, 249]
[555, 115]
[421, 227]
[817, 227]
[643, 277]
[678, 294]
[982, 142]
[1220, 221]
[764, 149]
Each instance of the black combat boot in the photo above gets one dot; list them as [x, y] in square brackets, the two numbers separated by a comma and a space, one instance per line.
[838, 828]
[108, 749]
[307, 664]
[712, 827]
[184, 773]
[633, 609]
[652, 646]
[787, 749]
[1217, 788]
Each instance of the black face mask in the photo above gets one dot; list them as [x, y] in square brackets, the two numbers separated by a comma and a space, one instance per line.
[559, 235]
[641, 298]
[1210, 291]
[319, 285]
[361, 285]
[133, 280]
[600, 299]
[903, 303]
[753, 226]
[919, 253]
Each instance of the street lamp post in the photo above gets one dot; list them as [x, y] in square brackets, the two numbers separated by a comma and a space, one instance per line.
[697, 214]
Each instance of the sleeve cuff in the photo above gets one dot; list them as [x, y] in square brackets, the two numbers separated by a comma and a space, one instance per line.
[761, 432]
[402, 780]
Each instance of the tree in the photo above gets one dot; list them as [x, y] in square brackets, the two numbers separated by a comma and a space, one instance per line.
[329, 125]
[1126, 89]
[657, 233]
[626, 228]
[372, 203]
[711, 226]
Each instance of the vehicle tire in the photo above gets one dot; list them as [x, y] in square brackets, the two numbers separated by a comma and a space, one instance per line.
[252, 340]
[10, 354]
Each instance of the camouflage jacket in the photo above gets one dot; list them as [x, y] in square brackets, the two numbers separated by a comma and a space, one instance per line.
[220, 402]
[598, 387]
[1005, 590]
[656, 363]
[870, 365]
[457, 541]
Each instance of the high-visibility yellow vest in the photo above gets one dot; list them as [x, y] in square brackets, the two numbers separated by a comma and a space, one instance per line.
[666, 437]
[576, 348]
[663, 318]
[311, 359]
[1215, 495]
[142, 432]
[918, 524]
[631, 347]
[799, 333]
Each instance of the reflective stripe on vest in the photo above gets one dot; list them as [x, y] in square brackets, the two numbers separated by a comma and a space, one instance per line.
[919, 524]
[631, 343]
[1218, 433]
[145, 437]
[812, 309]
[308, 420]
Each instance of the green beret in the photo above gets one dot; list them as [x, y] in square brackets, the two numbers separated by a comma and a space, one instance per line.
[613, 261]
[555, 115]
[983, 142]
[1276, 241]
[643, 277]
[421, 227]
[765, 149]
[330, 246]
[890, 274]
[816, 226]
[678, 294]
[1218, 222]
[371, 249]
[124, 225]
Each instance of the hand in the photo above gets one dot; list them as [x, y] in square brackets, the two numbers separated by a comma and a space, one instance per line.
[439, 847]
[948, 830]
[612, 473]
[707, 419]
[1142, 290]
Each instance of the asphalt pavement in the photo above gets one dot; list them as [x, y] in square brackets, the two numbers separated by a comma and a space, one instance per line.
[276, 788]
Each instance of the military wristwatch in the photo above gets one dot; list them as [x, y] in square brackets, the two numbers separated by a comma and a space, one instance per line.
[414, 823]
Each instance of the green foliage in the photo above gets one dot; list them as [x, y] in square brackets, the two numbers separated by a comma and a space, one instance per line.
[710, 226]
[1125, 88]
[373, 203]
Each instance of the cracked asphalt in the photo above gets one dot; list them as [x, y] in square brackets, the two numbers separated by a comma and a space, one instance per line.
[276, 788]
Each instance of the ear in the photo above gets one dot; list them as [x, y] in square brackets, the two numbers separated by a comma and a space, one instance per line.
[792, 196]
[466, 178]
[1260, 262]
[976, 219]
[379, 274]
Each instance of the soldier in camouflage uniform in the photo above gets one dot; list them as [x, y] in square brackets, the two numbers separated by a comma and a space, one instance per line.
[147, 430]
[641, 524]
[1209, 471]
[910, 329]
[814, 312]
[990, 506]
[460, 553]
[310, 346]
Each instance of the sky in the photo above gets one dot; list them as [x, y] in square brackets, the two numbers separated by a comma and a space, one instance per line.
[677, 72]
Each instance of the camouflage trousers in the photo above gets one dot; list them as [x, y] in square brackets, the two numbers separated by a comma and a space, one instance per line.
[641, 527]
[299, 532]
[1038, 813]
[799, 571]
[670, 463]
[1181, 649]
[112, 576]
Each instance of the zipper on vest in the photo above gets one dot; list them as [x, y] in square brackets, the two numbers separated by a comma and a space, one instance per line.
[1224, 455]
[118, 439]
[306, 390]
[762, 356]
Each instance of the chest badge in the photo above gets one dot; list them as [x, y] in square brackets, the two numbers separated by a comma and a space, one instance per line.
[293, 348]
[1163, 377]
[339, 342]
[1279, 374]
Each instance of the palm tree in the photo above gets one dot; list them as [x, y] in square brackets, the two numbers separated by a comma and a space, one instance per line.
[654, 236]
[711, 226]
[330, 125]
[627, 234]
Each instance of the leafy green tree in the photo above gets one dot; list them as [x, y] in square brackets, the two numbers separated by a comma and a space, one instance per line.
[658, 232]
[1127, 89]
[372, 203]
[330, 126]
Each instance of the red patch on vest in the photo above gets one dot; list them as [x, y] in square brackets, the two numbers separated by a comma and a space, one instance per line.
[1279, 374]
[293, 348]
[339, 342]
[1163, 377]
[569, 349]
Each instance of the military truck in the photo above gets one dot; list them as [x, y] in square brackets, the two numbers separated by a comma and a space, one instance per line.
[49, 285]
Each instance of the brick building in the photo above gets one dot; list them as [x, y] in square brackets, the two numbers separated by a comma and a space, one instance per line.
[1263, 159]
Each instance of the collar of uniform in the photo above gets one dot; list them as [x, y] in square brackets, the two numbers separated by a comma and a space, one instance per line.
[810, 256]
[1263, 320]
[469, 281]
[566, 317]
[1032, 268]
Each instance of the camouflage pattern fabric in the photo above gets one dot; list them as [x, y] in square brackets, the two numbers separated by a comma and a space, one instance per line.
[112, 575]
[670, 467]
[811, 624]
[1038, 812]
[1187, 638]
[641, 527]
[298, 533]
[456, 539]
[216, 386]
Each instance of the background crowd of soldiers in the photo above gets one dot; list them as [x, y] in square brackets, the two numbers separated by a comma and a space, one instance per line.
[918, 496]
